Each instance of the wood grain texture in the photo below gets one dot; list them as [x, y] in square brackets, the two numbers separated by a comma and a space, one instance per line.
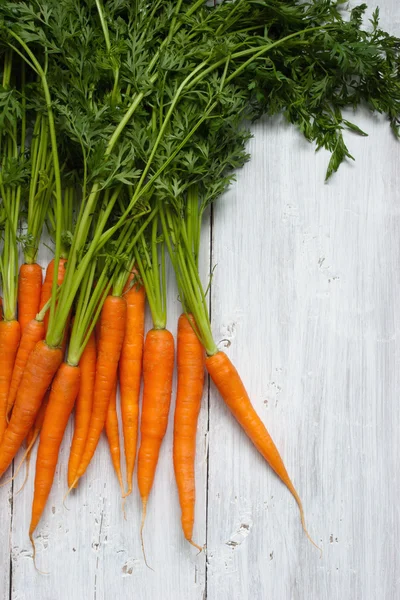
[306, 293]
[305, 296]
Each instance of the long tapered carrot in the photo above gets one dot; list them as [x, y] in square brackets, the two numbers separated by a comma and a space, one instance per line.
[234, 394]
[112, 431]
[29, 444]
[64, 391]
[158, 366]
[190, 361]
[48, 282]
[112, 331]
[10, 332]
[83, 408]
[33, 333]
[130, 371]
[31, 440]
[29, 293]
[38, 374]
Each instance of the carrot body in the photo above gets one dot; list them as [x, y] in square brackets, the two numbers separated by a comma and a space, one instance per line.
[83, 408]
[112, 431]
[29, 292]
[48, 284]
[190, 360]
[10, 333]
[33, 333]
[158, 366]
[31, 439]
[112, 331]
[233, 392]
[64, 391]
[130, 371]
[39, 372]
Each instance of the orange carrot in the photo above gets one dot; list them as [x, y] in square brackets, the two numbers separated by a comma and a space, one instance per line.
[38, 374]
[83, 408]
[48, 283]
[234, 394]
[112, 432]
[10, 333]
[112, 331]
[130, 371]
[190, 360]
[29, 292]
[33, 332]
[158, 366]
[31, 439]
[64, 391]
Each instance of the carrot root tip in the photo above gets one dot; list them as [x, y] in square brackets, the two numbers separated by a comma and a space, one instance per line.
[144, 510]
[199, 548]
[71, 487]
[34, 555]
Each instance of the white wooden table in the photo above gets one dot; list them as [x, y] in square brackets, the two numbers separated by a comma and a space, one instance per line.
[306, 290]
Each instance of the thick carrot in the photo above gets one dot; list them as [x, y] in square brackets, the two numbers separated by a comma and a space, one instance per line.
[112, 431]
[112, 331]
[158, 366]
[234, 394]
[48, 282]
[64, 391]
[33, 333]
[83, 408]
[40, 369]
[130, 371]
[10, 333]
[190, 361]
[29, 293]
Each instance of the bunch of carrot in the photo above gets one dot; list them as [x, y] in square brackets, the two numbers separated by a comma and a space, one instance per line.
[120, 125]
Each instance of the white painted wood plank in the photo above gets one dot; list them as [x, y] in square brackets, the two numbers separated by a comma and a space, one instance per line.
[5, 535]
[90, 551]
[306, 290]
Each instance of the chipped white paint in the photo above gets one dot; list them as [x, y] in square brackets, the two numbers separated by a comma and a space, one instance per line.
[305, 300]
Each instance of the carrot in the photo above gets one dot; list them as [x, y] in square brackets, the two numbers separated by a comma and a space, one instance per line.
[112, 432]
[29, 293]
[48, 282]
[30, 442]
[31, 439]
[64, 391]
[10, 332]
[158, 366]
[38, 374]
[130, 371]
[112, 331]
[234, 394]
[32, 333]
[83, 408]
[190, 360]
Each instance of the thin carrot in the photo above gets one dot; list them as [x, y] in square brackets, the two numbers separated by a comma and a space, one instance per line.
[190, 361]
[158, 366]
[10, 332]
[234, 394]
[48, 282]
[83, 408]
[33, 333]
[29, 293]
[112, 431]
[38, 374]
[130, 371]
[63, 394]
[31, 439]
[112, 331]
